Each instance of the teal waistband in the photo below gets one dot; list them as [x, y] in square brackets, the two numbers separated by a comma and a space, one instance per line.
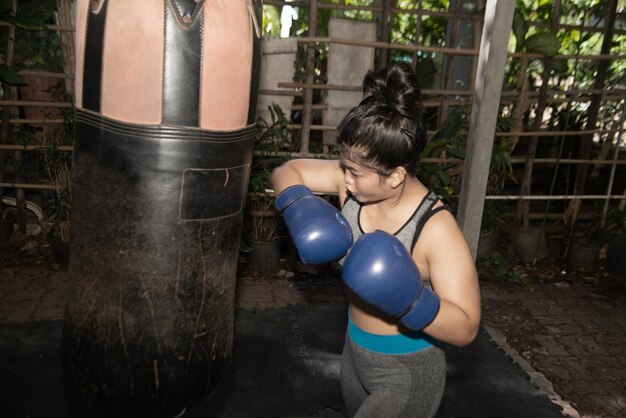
[410, 342]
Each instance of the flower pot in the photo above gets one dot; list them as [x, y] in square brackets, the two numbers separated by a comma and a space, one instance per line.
[616, 256]
[265, 255]
[60, 249]
[7, 225]
[583, 256]
[531, 244]
[486, 243]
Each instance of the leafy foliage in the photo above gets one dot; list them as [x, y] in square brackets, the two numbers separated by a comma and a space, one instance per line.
[34, 44]
[450, 142]
[273, 137]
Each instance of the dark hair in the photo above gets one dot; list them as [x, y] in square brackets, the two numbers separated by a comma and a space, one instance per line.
[386, 128]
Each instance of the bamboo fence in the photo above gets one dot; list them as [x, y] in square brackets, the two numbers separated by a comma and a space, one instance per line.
[434, 98]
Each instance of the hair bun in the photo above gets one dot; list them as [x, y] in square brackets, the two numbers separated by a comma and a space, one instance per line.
[395, 86]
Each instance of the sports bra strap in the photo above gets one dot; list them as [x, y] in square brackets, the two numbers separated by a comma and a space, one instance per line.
[430, 200]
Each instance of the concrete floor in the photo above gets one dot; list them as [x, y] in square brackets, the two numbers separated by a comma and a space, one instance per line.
[570, 339]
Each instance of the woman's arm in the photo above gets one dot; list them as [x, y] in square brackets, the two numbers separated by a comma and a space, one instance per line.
[453, 275]
[321, 176]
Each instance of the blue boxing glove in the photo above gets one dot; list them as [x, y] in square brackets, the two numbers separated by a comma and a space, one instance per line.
[319, 231]
[381, 271]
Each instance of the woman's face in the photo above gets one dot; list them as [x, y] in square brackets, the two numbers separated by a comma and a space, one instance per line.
[363, 183]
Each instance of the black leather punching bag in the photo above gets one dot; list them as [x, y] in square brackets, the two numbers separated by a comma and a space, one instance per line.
[165, 106]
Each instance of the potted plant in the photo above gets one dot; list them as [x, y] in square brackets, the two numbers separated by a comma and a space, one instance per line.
[493, 225]
[264, 236]
[7, 223]
[264, 230]
[584, 249]
[588, 236]
[58, 203]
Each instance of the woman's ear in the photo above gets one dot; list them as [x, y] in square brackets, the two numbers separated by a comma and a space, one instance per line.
[397, 176]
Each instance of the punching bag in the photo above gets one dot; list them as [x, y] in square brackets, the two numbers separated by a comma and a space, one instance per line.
[164, 129]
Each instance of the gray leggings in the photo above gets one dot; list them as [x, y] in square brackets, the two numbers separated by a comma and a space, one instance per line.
[392, 385]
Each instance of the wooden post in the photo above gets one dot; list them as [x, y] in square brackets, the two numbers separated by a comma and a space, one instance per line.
[596, 99]
[418, 31]
[523, 206]
[479, 5]
[67, 44]
[10, 93]
[485, 109]
[385, 32]
[310, 70]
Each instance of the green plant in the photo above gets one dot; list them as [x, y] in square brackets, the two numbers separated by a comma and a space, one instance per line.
[450, 142]
[58, 208]
[57, 165]
[263, 219]
[599, 227]
[495, 266]
[494, 217]
[273, 138]
[35, 45]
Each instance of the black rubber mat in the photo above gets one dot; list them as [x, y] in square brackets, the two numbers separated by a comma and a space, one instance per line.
[285, 364]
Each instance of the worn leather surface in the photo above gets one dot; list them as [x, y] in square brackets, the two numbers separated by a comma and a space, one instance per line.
[162, 158]
[94, 44]
[156, 227]
[182, 63]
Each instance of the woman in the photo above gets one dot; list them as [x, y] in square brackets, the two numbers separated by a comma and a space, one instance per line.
[389, 367]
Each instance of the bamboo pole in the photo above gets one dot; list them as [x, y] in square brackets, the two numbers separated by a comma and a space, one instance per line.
[525, 185]
[385, 32]
[479, 5]
[609, 187]
[438, 160]
[64, 148]
[36, 121]
[452, 51]
[432, 13]
[29, 186]
[29, 103]
[64, 16]
[325, 6]
[377, 44]
[10, 92]
[618, 93]
[20, 195]
[540, 134]
[47, 74]
[418, 32]
[594, 106]
[49, 27]
[267, 92]
[310, 70]
[449, 60]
